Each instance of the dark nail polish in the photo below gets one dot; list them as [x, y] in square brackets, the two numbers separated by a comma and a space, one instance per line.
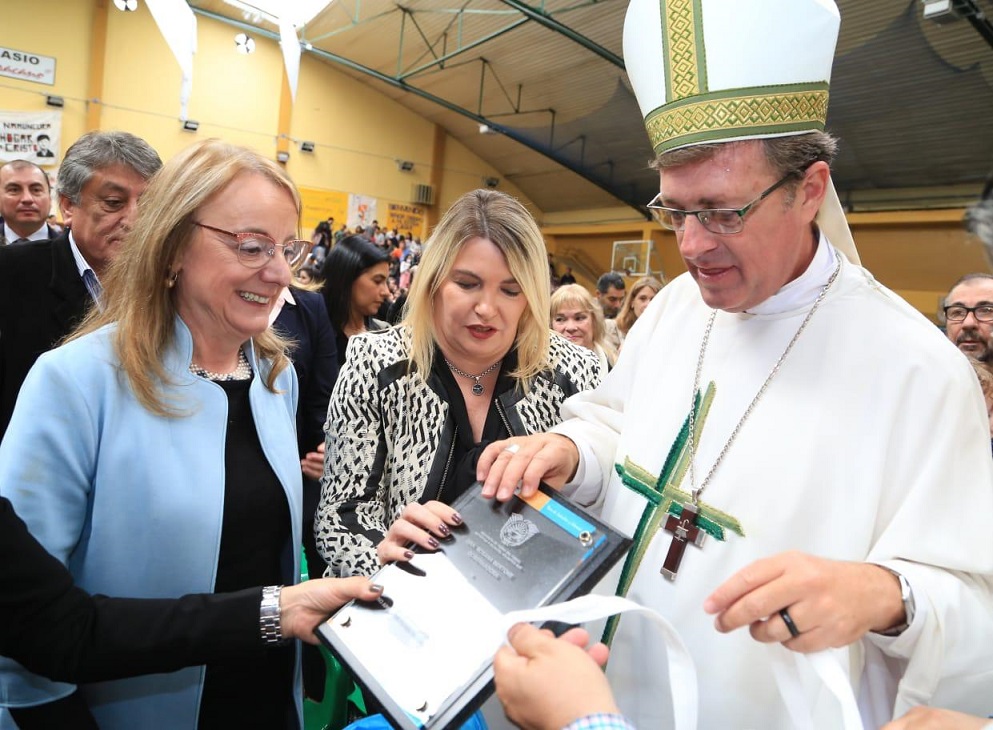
[444, 530]
[433, 543]
[457, 518]
[408, 554]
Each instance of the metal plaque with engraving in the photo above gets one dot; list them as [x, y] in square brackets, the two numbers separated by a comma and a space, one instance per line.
[424, 650]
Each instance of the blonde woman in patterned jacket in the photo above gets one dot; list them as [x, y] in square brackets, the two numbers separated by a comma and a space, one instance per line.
[473, 362]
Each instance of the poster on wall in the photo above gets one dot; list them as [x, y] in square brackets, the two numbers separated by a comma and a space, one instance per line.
[361, 211]
[405, 218]
[31, 136]
[319, 205]
[27, 66]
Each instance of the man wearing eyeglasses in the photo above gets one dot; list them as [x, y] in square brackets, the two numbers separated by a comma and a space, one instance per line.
[968, 316]
[782, 474]
[47, 286]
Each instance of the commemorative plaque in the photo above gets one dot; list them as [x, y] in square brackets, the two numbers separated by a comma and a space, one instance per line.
[424, 649]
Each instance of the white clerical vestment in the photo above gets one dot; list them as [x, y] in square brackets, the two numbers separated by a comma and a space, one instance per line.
[870, 444]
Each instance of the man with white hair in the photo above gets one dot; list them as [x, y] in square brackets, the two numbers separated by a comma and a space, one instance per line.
[791, 487]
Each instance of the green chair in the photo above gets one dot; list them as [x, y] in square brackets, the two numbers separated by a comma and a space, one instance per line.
[342, 702]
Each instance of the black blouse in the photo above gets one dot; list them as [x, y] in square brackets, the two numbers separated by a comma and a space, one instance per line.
[461, 473]
[255, 534]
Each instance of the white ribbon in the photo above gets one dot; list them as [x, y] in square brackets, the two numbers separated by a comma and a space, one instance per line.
[682, 673]
[829, 670]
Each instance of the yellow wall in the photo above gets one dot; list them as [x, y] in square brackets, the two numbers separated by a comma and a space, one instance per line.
[359, 132]
[61, 29]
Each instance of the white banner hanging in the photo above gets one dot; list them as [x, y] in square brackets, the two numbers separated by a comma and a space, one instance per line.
[31, 136]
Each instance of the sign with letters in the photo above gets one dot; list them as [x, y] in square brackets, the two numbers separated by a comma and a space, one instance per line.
[31, 136]
[27, 66]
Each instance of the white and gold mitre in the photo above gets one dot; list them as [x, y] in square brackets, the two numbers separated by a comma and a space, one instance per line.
[707, 71]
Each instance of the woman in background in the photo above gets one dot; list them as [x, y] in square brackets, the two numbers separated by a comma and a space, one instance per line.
[638, 297]
[356, 275]
[473, 362]
[576, 316]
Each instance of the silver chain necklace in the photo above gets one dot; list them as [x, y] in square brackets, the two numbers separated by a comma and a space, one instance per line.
[477, 387]
[695, 491]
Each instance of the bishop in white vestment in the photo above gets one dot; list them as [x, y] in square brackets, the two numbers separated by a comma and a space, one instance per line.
[802, 458]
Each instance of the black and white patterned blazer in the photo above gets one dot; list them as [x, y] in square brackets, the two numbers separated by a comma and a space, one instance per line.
[390, 433]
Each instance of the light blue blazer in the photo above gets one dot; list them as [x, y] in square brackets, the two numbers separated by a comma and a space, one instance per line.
[132, 502]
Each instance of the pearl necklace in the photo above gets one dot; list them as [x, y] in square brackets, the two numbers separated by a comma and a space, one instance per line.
[477, 388]
[242, 372]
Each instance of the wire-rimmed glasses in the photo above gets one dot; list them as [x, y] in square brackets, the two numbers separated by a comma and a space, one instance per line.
[725, 221]
[256, 249]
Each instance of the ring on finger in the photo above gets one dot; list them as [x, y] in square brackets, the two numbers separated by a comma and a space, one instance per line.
[512, 448]
[788, 620]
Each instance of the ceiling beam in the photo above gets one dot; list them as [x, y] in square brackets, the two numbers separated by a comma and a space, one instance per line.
[554, 156]
[543, 18]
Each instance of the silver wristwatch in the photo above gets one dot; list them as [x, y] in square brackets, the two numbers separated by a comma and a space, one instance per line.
[909, 606]
[270, 621]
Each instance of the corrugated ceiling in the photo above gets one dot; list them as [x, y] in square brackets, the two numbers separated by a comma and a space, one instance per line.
[910, 99]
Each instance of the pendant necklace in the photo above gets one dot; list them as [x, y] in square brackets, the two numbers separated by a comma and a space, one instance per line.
[684, 527]
[477, 387]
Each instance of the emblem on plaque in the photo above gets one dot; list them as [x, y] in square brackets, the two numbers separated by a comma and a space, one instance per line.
[517, 530]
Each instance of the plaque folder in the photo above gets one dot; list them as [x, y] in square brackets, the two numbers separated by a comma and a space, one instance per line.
[424, 650]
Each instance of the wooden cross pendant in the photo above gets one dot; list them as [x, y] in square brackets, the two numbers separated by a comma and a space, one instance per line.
[684, 530]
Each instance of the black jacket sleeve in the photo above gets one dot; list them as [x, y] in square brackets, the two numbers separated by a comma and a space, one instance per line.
[55, 629]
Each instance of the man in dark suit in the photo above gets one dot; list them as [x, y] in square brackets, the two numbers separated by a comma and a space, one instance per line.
[46, 287]
[25, 202]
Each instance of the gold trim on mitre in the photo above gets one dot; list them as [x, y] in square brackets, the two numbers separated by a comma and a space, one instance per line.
[738, 114]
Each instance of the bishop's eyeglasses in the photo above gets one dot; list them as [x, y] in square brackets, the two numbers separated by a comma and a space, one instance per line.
[725, 221]
[958, 312]
[256, 249]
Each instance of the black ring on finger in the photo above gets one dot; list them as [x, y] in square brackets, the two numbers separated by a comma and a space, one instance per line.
[788, 620]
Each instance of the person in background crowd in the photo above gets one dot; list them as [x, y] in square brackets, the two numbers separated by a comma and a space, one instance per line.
[576, 316]
[356, 273]
[568, 277]
[181, 367]
[25, 203]
[307, 275]
[637, 299]
[610, 297]
[472, 362]
[610, 293]
[968, 315]
[46, 287]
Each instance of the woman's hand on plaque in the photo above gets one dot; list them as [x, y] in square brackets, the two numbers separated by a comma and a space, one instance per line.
[525, 462]
[425, 525]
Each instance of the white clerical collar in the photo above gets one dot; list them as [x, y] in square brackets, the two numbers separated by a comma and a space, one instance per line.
[803, 290]
[10, 236]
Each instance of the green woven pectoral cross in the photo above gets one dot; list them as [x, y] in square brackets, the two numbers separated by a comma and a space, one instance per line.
[670, 508]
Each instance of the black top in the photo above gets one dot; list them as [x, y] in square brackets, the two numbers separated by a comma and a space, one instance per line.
[466, 451]
[341, 339]
[255, 534]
